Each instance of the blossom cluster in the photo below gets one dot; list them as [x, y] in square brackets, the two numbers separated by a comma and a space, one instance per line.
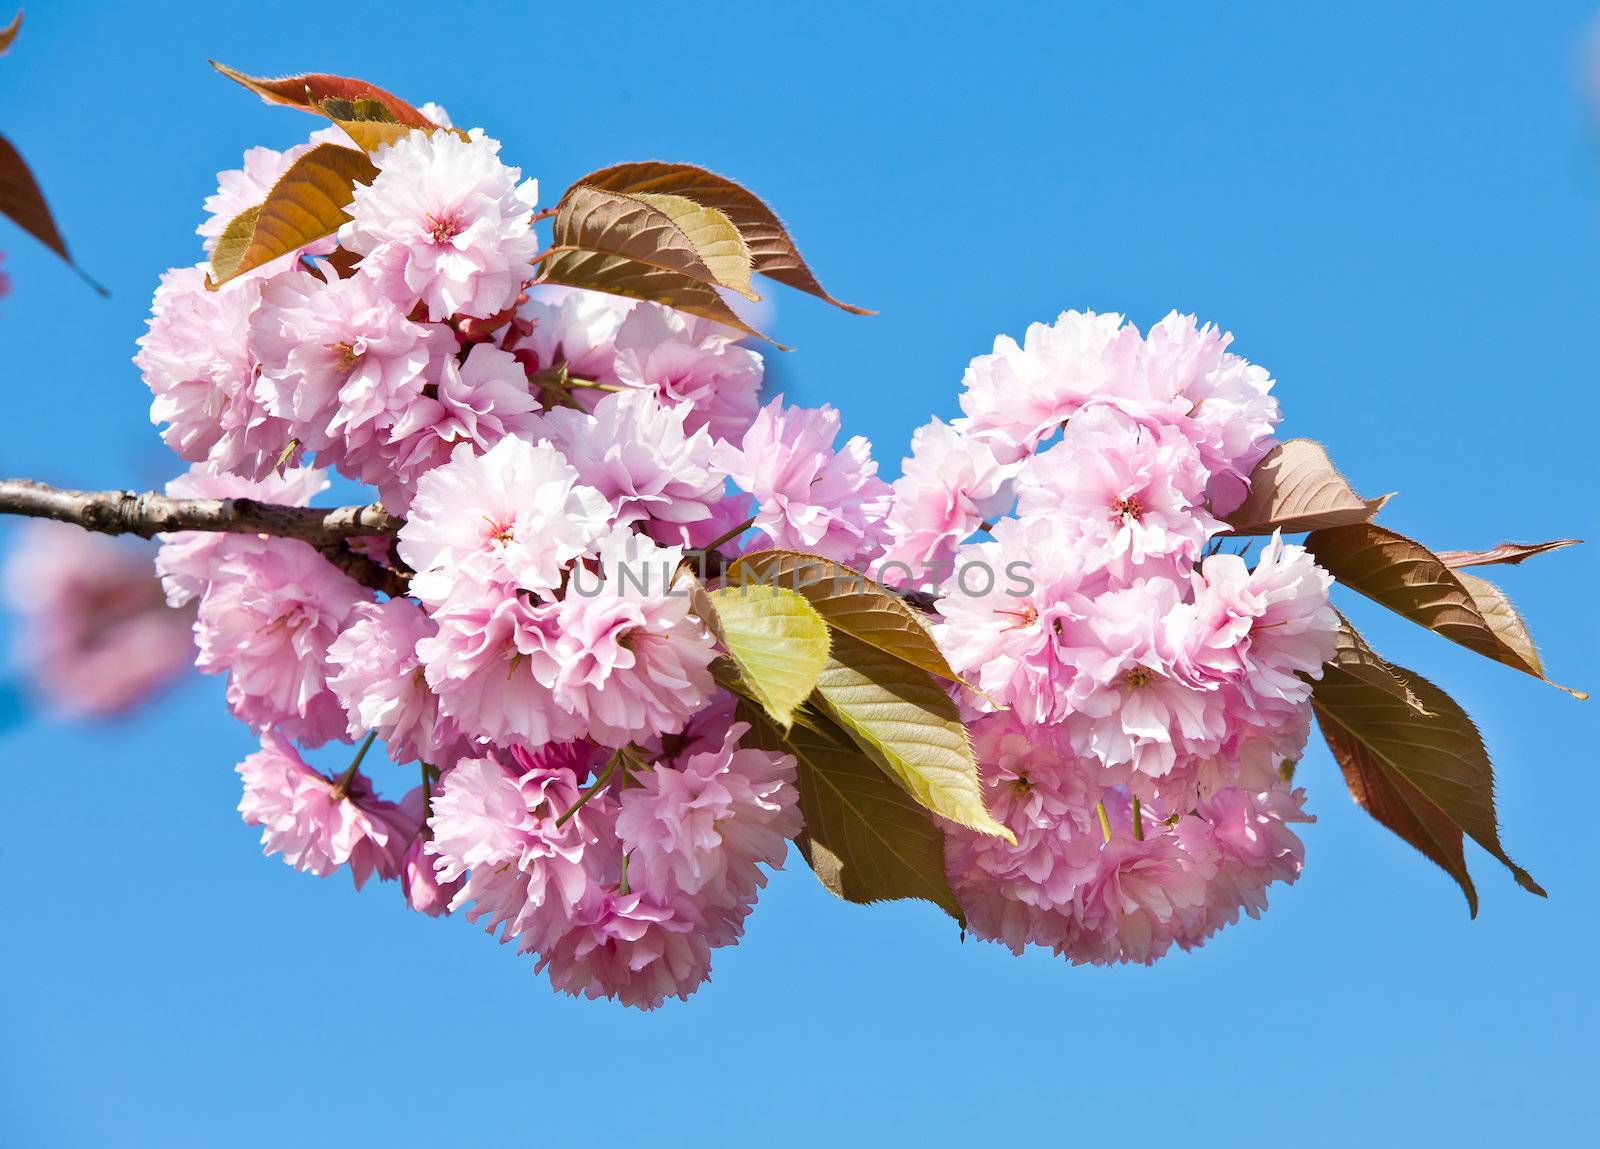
[1143, 694]
[583, 786]
[555, 455]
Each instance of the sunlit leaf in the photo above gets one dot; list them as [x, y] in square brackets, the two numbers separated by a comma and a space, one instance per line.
[1297, 488]
[778, 642]
[367, 122]
[23, 203]
[306, 204]
[307, 92]
[1508, 554]
[715, 239]
[772, 251]
[1409, 579]
[908, 725]
[1426, 776]
[864, 837]
[669, 232]
[850, 602]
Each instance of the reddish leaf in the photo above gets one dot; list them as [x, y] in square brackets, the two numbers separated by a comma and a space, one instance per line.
[1507, 553]
[1412, 581]
[307, 92]
[306, 203]
[9, 32]
[1297, 488]
[772, 250]
[23, 202]
[1423, 774]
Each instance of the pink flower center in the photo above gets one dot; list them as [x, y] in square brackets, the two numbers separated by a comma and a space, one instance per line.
[443, 228]
[1027, 616]
[348, 356]
[1137, 677]
[499, 530]
[1132, 506]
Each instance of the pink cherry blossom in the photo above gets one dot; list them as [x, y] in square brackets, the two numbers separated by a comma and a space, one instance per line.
[446, 223]
[197, 361]
[338, 359]
[693, 365]
[950, 486]
[811, 498]
[708, 818]
[493, 666]
[315, 823]
[631, 660]
[1133, 495]
[379, 680]
[514, 515]
[558, 326]
[635, 452]
[267, 622]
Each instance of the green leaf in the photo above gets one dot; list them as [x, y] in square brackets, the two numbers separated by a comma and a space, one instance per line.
[1423, 774]
[306, 203]
[772, 250]
[778, 643]
[1412, 581]
[23, 203]
[850, 602]
[307, 92]
[908, 725]
[1297, 488]
[864, 838]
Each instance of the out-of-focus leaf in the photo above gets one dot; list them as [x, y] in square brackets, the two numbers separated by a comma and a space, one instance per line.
[1412, 581]
[617, 275]
[850, 602]
[1297, 488]
[772, 250]
[779, 643]
[306, 204]
[9, 32]
[908, 725]
[1425, 776]
[23, 203]
[307, 92]
[864, 837]
[1508, 554]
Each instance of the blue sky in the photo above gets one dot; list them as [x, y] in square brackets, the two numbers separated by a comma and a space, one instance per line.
[1396, 209]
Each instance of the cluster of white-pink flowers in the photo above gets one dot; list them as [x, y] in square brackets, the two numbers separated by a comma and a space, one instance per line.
[1144, 694]
[556, 454]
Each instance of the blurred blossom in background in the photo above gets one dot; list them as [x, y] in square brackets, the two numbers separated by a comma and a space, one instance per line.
[93, 635]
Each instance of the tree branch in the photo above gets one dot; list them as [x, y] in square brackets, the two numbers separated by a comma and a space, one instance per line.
[148, 514]
[329, 529]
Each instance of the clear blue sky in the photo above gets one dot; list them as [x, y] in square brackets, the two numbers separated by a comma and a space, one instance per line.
[1396, 208]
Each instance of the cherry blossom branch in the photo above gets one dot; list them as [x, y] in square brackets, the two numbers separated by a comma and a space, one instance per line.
[146, 514]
